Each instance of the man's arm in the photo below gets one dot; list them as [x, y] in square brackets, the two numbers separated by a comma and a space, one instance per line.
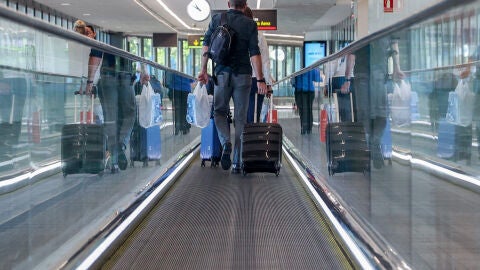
[397, 71]
[257, 67]
[93, 64]
[203, 76]
[349, 64]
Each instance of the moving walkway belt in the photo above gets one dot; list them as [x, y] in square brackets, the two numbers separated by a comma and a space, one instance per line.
[211, 219]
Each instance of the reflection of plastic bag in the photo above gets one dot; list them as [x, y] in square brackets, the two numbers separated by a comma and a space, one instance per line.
[460, 105]
[149, 110]
[198, 107]
[98, 114]
[264, 111]
[400, 107]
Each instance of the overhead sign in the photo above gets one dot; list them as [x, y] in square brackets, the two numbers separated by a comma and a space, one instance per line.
[387, 5]
[195, 41]
[266, 19]
[164, 39]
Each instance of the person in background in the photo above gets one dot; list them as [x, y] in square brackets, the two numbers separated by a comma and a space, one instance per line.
[262, 44]
[179, 87]
[90, 32]
[304, 96]
[234, 79]
[79, 26]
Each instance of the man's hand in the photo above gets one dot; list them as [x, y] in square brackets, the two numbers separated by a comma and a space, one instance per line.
[89, 89]
[345, 89]
[262, 88]
[203, 77]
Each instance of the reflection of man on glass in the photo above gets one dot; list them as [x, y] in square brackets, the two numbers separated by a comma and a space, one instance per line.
[474, 72]
[304, 96]
[12, 99]
[336, 70]
[371, 75]
[118, 103]
[179, 87]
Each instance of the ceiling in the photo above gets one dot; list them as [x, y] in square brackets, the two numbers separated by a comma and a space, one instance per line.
[294, 17]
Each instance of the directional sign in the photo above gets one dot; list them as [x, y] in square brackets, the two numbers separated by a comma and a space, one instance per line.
[195, 41]
[266, 19]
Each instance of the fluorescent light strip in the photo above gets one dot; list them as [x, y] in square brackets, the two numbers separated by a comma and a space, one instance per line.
[258, 3]
[154, 15]
[283, 36]
[174, 15]
[365, 264]
[94, 256]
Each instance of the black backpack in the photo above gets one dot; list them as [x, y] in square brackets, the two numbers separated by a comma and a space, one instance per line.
[220, 43]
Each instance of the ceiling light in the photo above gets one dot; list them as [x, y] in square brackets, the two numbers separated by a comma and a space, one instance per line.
[173, 14]
[283, 36]
[65, 4]
[86, 14]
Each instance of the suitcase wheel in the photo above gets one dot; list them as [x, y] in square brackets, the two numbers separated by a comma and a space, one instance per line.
[277, 172]
[330, 170]
[244, 172]
[203, 163]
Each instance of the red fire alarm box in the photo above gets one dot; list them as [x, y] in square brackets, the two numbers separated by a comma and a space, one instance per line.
[388, 5]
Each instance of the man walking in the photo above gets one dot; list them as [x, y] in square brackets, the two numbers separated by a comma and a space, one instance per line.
[233, 80]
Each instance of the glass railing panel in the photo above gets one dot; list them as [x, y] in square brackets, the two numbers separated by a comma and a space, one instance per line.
[414, 92]
[48, 213]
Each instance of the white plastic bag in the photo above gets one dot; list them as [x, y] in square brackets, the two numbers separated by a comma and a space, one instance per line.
[401, 102]
[460, 104]
[149, 107]
[198, 107]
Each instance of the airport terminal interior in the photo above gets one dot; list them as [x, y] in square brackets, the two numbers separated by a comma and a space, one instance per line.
[379, 160]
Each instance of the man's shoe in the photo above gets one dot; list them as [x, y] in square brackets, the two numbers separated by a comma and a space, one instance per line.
[114, 169]
[236, 169]
[225, 161]
[122, 159]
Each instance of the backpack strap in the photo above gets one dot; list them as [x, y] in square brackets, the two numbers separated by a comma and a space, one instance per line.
[223, 19]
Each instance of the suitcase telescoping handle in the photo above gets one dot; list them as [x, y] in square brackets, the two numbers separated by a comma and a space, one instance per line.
[92, 97]
[270, 107]
[337, 110]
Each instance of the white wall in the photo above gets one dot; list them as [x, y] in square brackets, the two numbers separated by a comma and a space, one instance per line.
[371, 17]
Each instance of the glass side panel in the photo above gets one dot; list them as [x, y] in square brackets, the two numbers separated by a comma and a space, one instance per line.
[409, 164]
[59, 184]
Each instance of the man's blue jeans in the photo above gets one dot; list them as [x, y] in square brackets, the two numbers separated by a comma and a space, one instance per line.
[237, 87]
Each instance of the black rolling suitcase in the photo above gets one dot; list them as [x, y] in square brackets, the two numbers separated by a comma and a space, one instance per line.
[83, 145]
[347, 149]
[261, 147]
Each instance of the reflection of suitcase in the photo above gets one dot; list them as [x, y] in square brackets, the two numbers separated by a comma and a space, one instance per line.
[454, 141]
[145, 145]
[347, 149]
[83, 148]
[261, 147]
